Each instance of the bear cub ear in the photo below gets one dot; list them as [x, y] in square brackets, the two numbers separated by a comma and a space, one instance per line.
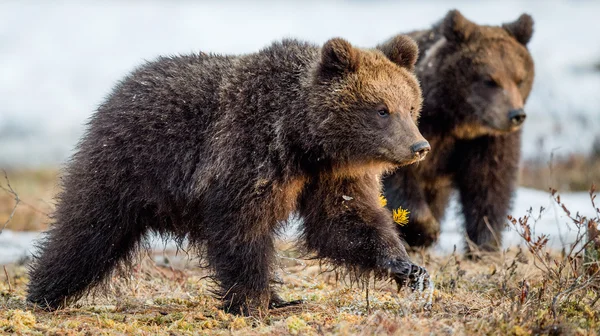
[401, 50]
[456, 28]
[338, 57]
[522, 29]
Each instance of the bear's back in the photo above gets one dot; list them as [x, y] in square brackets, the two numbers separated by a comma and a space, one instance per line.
[151, 128]
[178, 118]
[261, 98]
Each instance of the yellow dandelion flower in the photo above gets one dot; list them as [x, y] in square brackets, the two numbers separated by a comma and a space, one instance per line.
[401, 216]
[382, 201]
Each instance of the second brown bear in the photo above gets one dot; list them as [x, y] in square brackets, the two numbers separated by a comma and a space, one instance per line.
[475, 82]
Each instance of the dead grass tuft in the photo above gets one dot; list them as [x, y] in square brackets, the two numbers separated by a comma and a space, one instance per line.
[573, 172]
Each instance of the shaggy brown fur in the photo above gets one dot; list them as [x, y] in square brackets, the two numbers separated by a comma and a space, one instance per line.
[221, 149]
[475, 81]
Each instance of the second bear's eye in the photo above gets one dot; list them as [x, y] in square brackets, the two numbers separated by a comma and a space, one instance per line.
[383, 112]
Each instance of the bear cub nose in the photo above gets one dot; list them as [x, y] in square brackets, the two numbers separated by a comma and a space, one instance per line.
[517, 116]
[420, 149]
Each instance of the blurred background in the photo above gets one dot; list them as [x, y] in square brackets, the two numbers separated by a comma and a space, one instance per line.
[59, 60]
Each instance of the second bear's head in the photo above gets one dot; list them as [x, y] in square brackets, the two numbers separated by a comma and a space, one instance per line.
[368, 103]
[476, 79]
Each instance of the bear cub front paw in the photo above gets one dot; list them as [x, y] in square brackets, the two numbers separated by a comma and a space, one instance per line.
[405, 273]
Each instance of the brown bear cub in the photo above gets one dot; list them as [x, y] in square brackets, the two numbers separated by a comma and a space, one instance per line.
[475, 81]
[220, 150]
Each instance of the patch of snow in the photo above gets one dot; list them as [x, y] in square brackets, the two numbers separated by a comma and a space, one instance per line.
[553, 221]
[16, 245]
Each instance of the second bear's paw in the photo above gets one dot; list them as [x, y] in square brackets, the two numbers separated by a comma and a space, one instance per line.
[421, 231]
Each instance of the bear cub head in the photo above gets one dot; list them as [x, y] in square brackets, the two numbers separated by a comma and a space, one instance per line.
[486, 72]
[367, 103]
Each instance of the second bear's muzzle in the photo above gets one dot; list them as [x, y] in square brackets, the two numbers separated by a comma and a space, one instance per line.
[517, 117]
[420, 149]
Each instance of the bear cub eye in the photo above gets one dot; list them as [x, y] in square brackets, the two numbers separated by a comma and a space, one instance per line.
[383, 112]
[490, 83]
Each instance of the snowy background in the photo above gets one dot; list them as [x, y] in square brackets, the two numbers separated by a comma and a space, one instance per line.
[58, 61]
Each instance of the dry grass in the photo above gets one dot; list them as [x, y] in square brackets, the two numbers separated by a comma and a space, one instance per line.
[519, 292]
[574, 172]
[498, 294]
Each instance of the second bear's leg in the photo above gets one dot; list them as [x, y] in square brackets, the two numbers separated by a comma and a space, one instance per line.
[438, 197]
[486, 179]
[344, 222]
[403, 190]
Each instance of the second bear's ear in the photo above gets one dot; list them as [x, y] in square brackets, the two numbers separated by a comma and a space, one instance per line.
[338, 56]
[456, 28]
[401, 50]
[522, 29]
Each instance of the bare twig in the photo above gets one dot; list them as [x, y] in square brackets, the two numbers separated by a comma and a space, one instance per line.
[367, 297]
[7, 279]
[11, 191]
[593, 303]
[494, 235]
[593, 197]
[33, 207]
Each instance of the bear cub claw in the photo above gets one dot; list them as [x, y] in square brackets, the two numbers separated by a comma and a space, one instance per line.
[277, 302]
[408, 274]
[274, 304]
